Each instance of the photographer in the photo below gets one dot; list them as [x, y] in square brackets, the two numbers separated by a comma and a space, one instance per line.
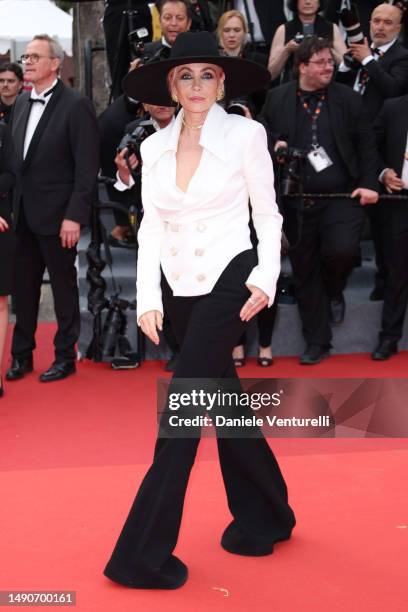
[325, 122]
[381, 69]
[117, 24]
[381, 73]
[307, 22]
[128, 163]
[175, 17]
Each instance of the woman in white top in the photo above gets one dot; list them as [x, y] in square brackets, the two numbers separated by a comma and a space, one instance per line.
[196, 261]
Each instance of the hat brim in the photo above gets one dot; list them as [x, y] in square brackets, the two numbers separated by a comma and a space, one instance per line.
[148, 83]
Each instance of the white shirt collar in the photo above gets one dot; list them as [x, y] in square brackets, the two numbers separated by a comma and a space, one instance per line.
[384, 48]
[43, 95]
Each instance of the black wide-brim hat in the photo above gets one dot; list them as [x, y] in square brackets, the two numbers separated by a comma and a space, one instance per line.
[148, 83]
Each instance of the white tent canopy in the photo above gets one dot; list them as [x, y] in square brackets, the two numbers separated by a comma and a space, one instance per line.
[20, 20]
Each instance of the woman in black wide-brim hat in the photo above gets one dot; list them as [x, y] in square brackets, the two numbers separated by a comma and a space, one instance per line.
[196, 262]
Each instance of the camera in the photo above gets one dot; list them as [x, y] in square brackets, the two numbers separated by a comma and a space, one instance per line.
[299, 38]
[292, 160]
[133, 141]
[237, 106]
[351, 23]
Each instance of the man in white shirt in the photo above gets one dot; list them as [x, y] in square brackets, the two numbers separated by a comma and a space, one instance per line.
[56, 138]
[383, 74]
[391, 129]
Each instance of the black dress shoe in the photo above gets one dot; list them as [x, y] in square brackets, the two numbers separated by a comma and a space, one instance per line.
[19, 367]
[128, 242]
[377, 294]
[384, 350]
[313, 354]
[337, 311]
[58, 371]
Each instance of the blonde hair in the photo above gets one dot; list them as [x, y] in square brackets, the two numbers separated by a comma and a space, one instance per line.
[223, 20]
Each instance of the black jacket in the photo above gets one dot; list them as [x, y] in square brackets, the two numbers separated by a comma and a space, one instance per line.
[388, 78]
[8, 171]
[352, 133]
[391, 130]
[57, 179]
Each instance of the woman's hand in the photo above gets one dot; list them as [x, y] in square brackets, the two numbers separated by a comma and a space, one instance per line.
[256, 302]
[150, 322]
[4, 226]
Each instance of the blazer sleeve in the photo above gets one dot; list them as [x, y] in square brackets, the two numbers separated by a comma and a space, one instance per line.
[265, 215]
[150, 238]
[85, 148]
[392, 82]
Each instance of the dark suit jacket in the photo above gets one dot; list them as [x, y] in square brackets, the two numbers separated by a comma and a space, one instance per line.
[152, 49]
[270, 14]
[353, 136]
[388, 78]
[8, 170]
[391, 130]
[57, 179]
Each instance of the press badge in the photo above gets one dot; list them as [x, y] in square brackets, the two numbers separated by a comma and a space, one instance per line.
[319, 159]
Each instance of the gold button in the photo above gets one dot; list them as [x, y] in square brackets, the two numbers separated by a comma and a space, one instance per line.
[199, 252]
[201, 227]
[201, 277]
[175, 276]
[174, 227]
[173, 251]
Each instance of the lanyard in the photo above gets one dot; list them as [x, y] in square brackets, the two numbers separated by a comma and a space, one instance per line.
[314, 115]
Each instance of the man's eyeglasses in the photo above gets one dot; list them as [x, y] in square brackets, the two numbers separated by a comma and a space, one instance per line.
[322, 62]
[33, 57]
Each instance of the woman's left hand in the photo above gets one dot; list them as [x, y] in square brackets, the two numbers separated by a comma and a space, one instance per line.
[256, 302]
[4, 226]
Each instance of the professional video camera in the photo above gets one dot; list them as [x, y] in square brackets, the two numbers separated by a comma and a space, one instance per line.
[292, 160]
[350, 20]
[134, 140]
[402, 5]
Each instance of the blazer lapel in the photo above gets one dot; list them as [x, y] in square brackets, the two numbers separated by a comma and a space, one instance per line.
[19, 124]
[49, 109]
[288, 131]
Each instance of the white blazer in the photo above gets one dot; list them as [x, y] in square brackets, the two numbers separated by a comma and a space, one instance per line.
[193, 235]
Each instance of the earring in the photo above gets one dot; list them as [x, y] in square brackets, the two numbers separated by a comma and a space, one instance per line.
[174, 98]
[220, 94]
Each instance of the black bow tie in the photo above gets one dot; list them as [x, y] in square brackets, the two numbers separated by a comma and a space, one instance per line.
[34, 100]
[41, 100]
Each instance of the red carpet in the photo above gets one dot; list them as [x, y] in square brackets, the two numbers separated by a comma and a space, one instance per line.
[73, 454]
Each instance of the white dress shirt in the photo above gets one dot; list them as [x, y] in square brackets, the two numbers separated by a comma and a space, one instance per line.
[193, 235]
[36, 112]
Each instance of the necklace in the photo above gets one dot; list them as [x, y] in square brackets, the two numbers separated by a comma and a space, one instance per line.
[192, 127]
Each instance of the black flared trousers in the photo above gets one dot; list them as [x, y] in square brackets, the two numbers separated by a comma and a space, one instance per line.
[207, 328]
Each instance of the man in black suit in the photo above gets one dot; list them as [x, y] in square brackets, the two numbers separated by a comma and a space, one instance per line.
[391, 129]
[175, 17]
[56, 139]
[327, 121]
[383, 65]
[383, 74]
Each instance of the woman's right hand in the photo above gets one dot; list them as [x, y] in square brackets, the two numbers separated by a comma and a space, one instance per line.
[150, 322]
[4, 226]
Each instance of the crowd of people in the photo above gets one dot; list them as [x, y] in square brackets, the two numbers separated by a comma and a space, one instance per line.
[334, 111]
